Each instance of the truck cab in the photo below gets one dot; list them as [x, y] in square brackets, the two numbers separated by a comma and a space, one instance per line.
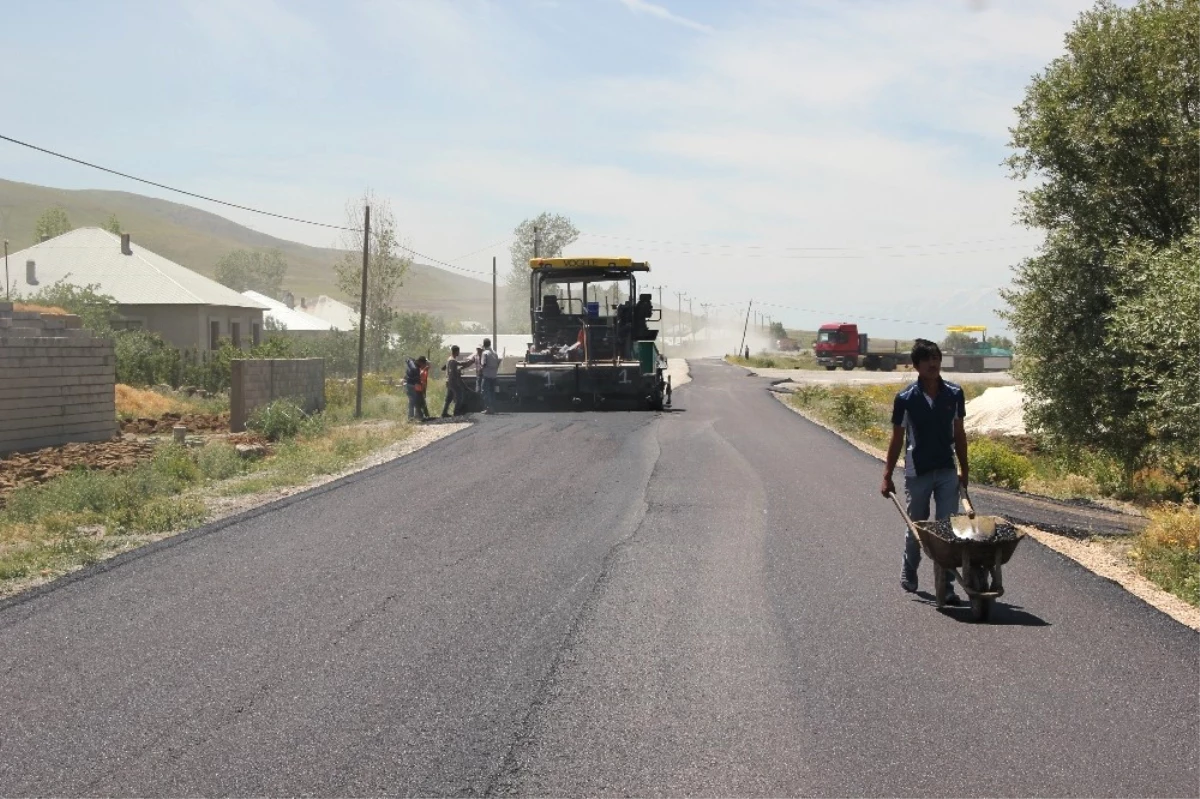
[840, 344]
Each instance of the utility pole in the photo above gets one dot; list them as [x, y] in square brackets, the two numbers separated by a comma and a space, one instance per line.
[742, 348]
[679, 315]
[362, 313]
[495, 337]
[536, 241]
[6, 295]
[691, 320]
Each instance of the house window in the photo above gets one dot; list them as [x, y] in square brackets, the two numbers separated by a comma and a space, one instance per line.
[235, 333]
[214, 334]
[255, 334]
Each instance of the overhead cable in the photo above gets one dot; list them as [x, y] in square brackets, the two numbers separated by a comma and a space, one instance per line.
[180, 191]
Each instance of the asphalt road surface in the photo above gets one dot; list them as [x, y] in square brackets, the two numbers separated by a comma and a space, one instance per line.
[701, 603]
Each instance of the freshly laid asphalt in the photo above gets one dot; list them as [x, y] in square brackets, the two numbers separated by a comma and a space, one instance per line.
[698, 602]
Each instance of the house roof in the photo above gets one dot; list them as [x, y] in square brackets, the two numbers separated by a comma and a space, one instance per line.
[339, 315]
[91, 255]
[292, 319]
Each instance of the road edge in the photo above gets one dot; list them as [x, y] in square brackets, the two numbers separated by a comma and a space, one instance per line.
[1096, 558]
[245, 507]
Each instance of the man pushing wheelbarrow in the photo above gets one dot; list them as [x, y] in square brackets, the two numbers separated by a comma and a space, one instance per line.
[928, 415]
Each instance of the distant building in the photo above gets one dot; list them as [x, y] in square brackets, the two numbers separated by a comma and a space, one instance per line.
[280, 319]
[152, 292]
[339, 315]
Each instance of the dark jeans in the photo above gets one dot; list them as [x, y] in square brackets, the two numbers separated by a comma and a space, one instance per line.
[455, 394]
[489, 393]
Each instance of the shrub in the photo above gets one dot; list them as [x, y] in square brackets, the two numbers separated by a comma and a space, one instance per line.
[144, 359]
[992, 462]
[218, 461]
[852, 409]
[1168, 551]
[278, 420]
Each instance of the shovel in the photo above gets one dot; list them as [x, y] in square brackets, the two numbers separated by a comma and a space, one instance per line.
[970, 526]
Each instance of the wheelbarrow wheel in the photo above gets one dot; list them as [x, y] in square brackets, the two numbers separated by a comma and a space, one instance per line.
[981, 608]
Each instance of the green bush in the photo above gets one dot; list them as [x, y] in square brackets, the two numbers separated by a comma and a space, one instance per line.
[218, 461]
[281, 419]
[145, 359]
[994, 463]
[852, 409]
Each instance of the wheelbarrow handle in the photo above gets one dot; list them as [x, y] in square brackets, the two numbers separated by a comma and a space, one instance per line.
[904, 513]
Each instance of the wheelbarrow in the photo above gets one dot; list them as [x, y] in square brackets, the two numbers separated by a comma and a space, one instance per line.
[973, 547]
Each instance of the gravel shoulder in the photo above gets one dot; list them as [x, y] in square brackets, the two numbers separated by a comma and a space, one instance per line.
[1101, 556]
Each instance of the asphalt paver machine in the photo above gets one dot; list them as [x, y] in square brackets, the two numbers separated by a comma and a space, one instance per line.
[591, 337]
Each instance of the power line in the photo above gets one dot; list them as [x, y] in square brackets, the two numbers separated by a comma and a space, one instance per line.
[713, 246]
[180, 191]
[482, 249]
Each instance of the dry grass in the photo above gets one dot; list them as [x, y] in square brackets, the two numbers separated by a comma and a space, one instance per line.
[44, 309]
[140, 403]
[1167, 551]
[144, 404]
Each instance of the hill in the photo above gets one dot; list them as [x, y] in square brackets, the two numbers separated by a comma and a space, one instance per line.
[198, 239]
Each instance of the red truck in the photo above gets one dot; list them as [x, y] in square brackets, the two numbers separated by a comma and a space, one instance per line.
[840, 344]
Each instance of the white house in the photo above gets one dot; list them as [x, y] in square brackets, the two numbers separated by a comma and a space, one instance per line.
[152, 292]
[288, 321]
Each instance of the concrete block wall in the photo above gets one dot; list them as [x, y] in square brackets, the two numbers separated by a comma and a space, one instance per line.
[258, 381]
[57, 382]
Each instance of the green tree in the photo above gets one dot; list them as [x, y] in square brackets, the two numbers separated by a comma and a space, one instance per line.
[778, 331]
[253, 270]
[554, 233]
[957, 342]
[53, 222]
[113, 225]
[418, 334]
[1156, 325]
[1110, 135]
[95, 310]
[387, 264]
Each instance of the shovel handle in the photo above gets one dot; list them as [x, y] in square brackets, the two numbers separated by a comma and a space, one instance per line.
[966, 498]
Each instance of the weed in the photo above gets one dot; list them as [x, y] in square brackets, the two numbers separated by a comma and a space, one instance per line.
[852, 409]
[1167, 551]
[278, 420]
[219, 461]
[993, 462]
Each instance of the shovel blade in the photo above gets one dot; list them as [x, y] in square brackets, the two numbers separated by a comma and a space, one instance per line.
[980, 528]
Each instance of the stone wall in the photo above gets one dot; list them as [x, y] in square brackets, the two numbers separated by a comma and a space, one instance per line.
[259, 381]
[57, 382]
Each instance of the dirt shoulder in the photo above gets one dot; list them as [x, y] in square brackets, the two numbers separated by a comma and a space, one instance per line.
[1104, 556]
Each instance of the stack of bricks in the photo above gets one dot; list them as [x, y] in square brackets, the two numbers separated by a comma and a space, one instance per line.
[57, 382]
[256, 382]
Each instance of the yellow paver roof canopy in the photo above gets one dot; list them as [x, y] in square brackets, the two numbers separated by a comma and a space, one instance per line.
[588, 262]
[966, 329]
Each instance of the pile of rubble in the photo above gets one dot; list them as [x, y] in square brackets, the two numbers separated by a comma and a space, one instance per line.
[194, 422]
[30, 468]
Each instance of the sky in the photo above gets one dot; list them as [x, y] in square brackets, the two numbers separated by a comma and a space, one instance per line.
[829, 160]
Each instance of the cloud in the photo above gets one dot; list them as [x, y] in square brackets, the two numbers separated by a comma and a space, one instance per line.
[650, 9]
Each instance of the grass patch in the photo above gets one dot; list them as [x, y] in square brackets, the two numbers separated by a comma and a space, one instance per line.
[1167, 551]
[141, 403]
[799, 360]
